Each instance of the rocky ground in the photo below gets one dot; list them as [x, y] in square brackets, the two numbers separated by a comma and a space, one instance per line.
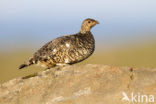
[86, 84]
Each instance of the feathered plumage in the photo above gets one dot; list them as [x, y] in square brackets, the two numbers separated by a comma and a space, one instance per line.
[68, 49]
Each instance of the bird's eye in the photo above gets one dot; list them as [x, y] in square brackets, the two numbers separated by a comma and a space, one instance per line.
[88, 21]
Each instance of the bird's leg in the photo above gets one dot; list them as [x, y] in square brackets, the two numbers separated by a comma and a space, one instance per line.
[61, 65]
[49, 66]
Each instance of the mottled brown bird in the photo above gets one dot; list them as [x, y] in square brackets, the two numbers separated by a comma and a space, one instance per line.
[68, 49]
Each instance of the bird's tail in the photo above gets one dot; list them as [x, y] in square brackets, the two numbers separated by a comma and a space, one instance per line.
[30, 62]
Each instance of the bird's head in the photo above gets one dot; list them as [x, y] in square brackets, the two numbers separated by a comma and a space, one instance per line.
[87, 24]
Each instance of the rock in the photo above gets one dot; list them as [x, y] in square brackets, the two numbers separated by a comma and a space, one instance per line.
[86, 84]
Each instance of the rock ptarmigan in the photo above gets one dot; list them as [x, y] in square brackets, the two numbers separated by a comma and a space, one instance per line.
[68, 49]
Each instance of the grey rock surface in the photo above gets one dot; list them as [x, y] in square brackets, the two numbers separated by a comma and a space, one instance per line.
[86, 84]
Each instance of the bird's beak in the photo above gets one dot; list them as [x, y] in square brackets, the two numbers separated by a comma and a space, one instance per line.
[97, 22]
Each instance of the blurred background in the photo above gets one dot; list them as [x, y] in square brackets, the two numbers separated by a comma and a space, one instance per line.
[126, 35]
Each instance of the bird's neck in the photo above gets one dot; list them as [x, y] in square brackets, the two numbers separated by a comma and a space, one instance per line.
[86, 34]
[85, 29]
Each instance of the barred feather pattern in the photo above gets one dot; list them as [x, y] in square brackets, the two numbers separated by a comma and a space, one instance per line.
[66, 50]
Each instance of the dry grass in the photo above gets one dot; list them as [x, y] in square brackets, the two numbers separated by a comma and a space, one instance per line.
[142, 56]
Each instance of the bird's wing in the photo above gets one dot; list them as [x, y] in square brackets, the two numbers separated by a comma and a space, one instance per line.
[52, 47]
[60, 43]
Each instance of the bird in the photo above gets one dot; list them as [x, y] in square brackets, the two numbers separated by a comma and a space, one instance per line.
[67, 49]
